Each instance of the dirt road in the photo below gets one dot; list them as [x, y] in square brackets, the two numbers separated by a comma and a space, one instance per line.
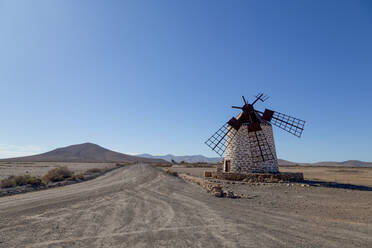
[141, 206]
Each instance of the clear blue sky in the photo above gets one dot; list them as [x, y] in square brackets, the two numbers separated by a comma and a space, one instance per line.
[160, 76]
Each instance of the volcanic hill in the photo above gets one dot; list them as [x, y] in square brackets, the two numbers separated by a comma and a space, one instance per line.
[83, 153]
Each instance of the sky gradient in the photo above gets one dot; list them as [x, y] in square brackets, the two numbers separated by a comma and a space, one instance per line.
[160, 76]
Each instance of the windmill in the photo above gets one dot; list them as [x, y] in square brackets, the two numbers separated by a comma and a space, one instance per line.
[247, 141]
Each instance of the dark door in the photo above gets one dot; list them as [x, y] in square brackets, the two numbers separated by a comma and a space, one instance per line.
[227, 166]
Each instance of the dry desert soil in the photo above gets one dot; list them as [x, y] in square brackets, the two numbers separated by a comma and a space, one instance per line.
[141, 206]
[41, 168]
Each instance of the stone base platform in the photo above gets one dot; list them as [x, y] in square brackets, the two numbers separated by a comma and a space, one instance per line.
[256, 177]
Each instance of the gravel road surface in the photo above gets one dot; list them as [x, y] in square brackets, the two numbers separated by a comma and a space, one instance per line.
[141, 206]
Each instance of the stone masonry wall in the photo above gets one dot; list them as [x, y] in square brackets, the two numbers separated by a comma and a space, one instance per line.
[257, 177]
[240, 152]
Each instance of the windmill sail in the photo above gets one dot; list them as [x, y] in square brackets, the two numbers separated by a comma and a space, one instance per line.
[288, 123]
[259, 147]
[221, 139]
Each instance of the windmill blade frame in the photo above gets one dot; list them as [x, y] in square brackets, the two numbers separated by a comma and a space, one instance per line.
[259, 147]
[221, 139]
[288, 123]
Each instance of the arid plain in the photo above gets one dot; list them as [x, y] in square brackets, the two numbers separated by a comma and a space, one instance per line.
[141, 206]
[41, 168]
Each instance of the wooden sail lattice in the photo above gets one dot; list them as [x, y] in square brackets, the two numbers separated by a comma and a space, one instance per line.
[221, 139]
[288, 123]
[259, 147]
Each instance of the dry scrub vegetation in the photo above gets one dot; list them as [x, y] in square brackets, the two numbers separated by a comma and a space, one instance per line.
[196, 165]
[122, 164]
[14, 181]
[70, 172]
[94, 170]
[55, 175]
[172, 173]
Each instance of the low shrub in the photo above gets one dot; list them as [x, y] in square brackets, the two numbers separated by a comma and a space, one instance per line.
[77, 177]
[35, 181]
[8, 182]
[198, 164]
[13, 181]
[21, 180]
[94, 170]
[163, 165]
[172, 173]
[121, 164]
[202, 165]
[57, 175]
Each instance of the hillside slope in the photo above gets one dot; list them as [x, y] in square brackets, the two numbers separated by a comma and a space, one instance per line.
[81, 153]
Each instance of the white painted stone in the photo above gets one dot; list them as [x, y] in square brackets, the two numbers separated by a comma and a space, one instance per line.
[239, 152]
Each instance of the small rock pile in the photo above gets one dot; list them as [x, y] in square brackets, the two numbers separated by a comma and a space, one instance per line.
[213, 188]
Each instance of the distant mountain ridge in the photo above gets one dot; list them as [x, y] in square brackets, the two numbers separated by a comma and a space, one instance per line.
[348, 163]
[92, 153]
[197, 158]
[186, 158]
[83, 153]
[282, 162]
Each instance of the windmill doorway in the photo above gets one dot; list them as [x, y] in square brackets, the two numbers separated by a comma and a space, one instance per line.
[227, 165]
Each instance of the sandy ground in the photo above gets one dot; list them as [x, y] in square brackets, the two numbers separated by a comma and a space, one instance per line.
[356, 176]
[41, 168]
[141, 206]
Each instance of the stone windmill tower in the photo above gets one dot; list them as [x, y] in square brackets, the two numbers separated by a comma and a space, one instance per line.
[247, 141]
